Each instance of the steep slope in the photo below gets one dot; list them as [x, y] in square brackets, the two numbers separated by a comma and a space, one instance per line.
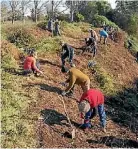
[43, 98]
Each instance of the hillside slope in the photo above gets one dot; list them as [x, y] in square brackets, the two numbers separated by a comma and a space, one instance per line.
[114, 62]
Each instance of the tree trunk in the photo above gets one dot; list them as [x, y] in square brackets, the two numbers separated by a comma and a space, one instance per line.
[71, 12]
[52, 9]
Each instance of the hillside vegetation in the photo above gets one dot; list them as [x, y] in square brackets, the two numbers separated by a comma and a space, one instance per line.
[26, 99]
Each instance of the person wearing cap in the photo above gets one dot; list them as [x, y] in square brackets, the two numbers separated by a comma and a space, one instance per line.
[75, 77]
[91, 99]
[67, 52]
[104, 34]
[30, 63]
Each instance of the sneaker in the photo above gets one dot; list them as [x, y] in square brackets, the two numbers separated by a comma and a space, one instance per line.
[85, 126]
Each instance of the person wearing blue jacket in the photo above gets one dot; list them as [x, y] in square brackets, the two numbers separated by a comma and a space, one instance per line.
[104, 34]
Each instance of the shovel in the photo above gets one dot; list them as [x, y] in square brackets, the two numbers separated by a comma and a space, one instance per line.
[73, 130]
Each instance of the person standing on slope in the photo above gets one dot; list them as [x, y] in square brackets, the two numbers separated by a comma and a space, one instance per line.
[93, 34]
[57, 26]
[67, 51]
[91, 99]
[75, 77]
[104, 34]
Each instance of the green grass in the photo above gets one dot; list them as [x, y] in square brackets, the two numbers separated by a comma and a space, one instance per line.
[16, 129]
[106, 82]
[48, 45]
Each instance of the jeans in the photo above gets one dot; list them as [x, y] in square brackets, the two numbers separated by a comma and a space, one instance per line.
[92, 112]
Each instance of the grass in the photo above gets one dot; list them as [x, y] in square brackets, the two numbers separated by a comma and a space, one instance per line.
[74, 30]
[17, 130]
[106, 82]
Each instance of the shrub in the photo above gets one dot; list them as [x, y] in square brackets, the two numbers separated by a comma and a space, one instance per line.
[20, 36]
[99, 19]
[134, 42]
[42, 25]
[79, 17]
[48, 45]
[105, 80]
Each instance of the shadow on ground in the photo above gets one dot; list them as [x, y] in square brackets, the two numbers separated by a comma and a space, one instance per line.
[112, 141]
[52, 117]
[123, 107]
[50, 88]
[43, 61]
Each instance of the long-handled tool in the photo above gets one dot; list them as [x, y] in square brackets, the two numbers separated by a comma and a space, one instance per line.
[73, 130]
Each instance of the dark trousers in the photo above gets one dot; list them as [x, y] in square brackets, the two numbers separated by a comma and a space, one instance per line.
[65, 55]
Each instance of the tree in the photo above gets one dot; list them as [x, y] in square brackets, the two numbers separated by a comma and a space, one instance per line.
[23, 7]
[14, 5]
[38, 8]
[4, 11]
[74, 7]
[91, 8]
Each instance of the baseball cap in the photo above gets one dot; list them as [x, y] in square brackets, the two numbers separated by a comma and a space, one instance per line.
[84, 106]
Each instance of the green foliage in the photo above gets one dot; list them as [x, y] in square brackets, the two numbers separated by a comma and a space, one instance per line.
[16, 131]
[133, 25]
[134, 42]
[20, 36]
[105, 80]
[102, 19]
[7, 61]
[42, 25]
[91, 8]
[48, 45]
[79, 17]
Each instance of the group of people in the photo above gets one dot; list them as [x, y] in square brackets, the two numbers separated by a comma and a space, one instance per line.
[92, 100]
[54, 27]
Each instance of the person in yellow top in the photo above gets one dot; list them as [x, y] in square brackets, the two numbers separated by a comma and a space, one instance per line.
[75, 77]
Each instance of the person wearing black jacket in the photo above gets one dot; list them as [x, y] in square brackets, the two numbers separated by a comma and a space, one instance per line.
[67, 52]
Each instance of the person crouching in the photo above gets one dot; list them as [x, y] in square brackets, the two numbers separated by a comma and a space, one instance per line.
[91, 99]
[31, 65]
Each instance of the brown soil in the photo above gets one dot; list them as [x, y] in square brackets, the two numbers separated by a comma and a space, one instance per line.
[50, 132]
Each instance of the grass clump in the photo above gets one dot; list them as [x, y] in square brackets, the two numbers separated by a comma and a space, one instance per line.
[105, 81]
[71, 30]
[48, 45]
[134, 42]
[16, 131]
[20, 36]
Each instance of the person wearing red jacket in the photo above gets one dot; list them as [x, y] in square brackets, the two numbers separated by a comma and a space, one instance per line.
[91, 100]
[30, 64]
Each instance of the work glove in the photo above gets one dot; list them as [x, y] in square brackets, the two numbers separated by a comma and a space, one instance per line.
[63, 93]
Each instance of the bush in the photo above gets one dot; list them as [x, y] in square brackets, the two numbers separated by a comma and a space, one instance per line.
[134, 42]
[20, 37]
[48, 45]
[79, 17]
[133, 25]
[100, 19]
[42, 25]
[105, 80]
